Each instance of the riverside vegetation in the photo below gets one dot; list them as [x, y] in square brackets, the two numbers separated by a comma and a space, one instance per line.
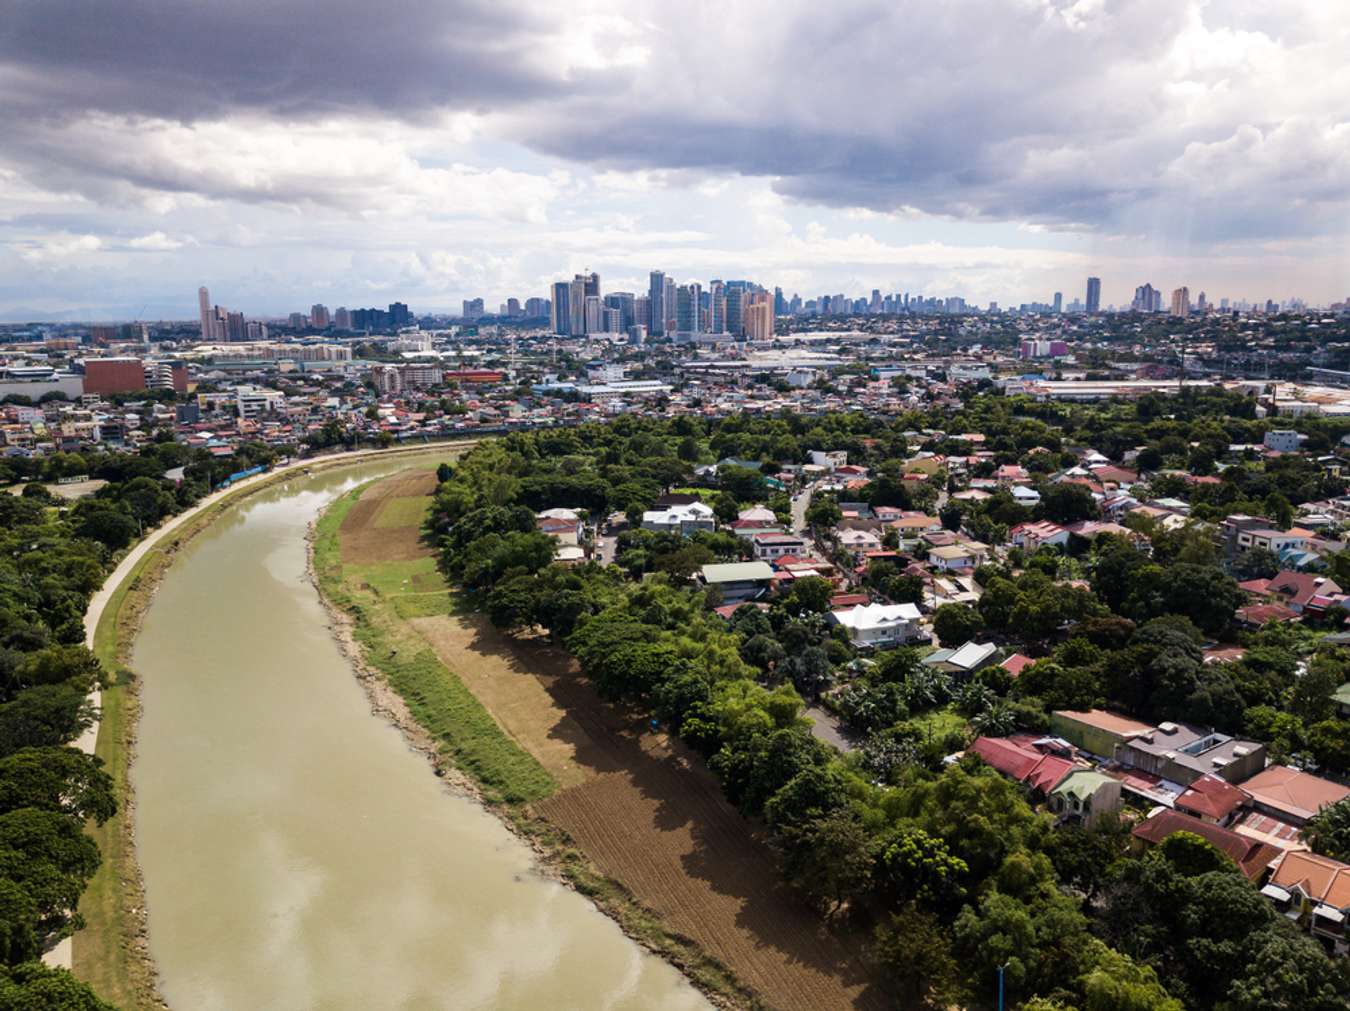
[947, 864]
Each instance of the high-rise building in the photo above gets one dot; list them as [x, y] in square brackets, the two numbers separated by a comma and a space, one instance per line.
[759, 320]
[113, 375]
[668, 303]
[686, 309]
[592, 284]
[318, 316]
[536, 308]
[1181, 301]
[1094, 294]
[513, 310]
[623, 301]
[1059, 301]
[717, 307]
[560, 319]
[399, 316]
[576, 301]
[1201, 304]
[235, 328]
[595, 314]
[208, 317]
[342, 318]
[735, 310]
[297, 321]
[1146, 299]
[472, 309]
[780, 306]
[656, 301]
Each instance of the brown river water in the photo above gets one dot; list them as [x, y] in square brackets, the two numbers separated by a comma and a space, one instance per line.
[296, 853]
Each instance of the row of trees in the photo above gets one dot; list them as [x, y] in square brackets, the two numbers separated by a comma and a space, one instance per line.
[948, 864]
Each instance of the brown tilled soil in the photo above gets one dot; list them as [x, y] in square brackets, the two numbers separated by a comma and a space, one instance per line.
[640, 806]
[648, 813]
[363, 542]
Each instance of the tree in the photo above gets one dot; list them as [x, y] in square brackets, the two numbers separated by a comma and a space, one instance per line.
[955, 624]
[916, 954]
[1067, 502]
[1192, 855]
[45, 716]
[64, 780]
[823, 512]
[829, 858]
[1328, 832]
[1284, 970]
[32, 986]
[1258, 563]
[1329, 742]
[917, 866]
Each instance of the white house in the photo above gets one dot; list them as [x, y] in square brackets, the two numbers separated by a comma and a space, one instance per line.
[738, 581]
[1031, 536]
[1282, 440]
[858, 542]
[880, 626]
[680, 519]
[770, 545]
[1025, 496]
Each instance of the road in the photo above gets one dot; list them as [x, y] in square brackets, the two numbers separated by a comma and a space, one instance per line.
[800, 503]
[826, 727]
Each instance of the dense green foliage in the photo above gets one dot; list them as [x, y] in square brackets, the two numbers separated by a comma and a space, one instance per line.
[951, 864]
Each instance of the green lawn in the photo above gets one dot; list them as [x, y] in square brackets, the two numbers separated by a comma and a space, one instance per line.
[379, 597]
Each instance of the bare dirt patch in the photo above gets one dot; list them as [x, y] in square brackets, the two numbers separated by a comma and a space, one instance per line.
[364, 541]
[647, 812]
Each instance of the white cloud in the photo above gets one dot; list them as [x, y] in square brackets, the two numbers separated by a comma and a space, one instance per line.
[155, 242]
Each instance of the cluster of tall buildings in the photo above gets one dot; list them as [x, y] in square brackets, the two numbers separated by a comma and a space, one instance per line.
[735, 308]
[220, 325]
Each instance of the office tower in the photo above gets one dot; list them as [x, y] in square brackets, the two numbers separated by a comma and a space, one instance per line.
[1094, 294]
[207, 316]
[1200, 302]
[576, 302]
[1145, 299]
[874, 306]
[1223, 304]
[318, 316]
[686, 309]
[472, 309]
[592, 282]
[342, 319]
[1181, 301]
[297, 321]
[1059, 301]
[536, 308]
[780, 307]
[513, 308]
[717, 307]
[560, 319]
[613, 321]
[624, 302]
[595, 314]
[400, 316]
[668, 303]
[255, 331]
[735, 311]
[759, 321]
[235, 328]
[656, 300]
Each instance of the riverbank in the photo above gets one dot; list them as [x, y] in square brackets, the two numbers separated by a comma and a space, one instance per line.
[635, 823]
[110, 953]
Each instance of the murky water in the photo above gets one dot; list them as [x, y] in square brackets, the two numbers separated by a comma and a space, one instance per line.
[296, 853]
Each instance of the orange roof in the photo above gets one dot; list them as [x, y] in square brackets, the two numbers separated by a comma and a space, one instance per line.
[1317, 876]
[1292, 792]
[1103, 720]
[1251, 856]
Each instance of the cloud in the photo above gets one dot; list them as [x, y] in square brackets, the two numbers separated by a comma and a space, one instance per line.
[56, 247]
[155, 242]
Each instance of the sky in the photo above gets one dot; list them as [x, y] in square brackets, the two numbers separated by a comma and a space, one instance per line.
[287, 152]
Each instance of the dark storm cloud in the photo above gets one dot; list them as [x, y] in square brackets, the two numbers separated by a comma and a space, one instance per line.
[204, 60]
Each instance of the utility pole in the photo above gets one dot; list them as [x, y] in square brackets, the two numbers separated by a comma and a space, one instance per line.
[1000, 985]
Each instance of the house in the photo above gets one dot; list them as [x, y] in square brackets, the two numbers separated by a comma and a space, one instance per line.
[564, 531]
[1251, 856]
[953, 558]
[1095, 731]
[1032, 536]
[1025, 496]
[1011, 473]
[1211, 799]
[680, 519]
[1282, 441]
[1298, 589]
[965, 659]
[1314, 888]
[1037, 771]
[769, 545]
[858, 542]
[1273, 540]
[758, 513]
[1292, 795]
[1258, 615]
[1182, 753]
[1017, 663]
[738, 581]
[880, 626]
[1085, 796]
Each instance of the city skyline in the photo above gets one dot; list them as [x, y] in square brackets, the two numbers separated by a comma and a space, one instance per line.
[480, 148]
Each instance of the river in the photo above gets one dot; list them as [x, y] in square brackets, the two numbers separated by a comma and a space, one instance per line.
[296, 853]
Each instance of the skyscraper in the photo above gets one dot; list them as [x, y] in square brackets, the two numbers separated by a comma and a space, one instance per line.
[576, 301]
[759, 321]
[1094, 294]
[735, 311]
[1059, 301]
[318, 316]
[595, 314]
[656, 294]
[668, 303]
[717, 307]
[561, 316]
[1181, 301]
[342, 319]
[208, 316]
[686, 309]
[592, 284]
